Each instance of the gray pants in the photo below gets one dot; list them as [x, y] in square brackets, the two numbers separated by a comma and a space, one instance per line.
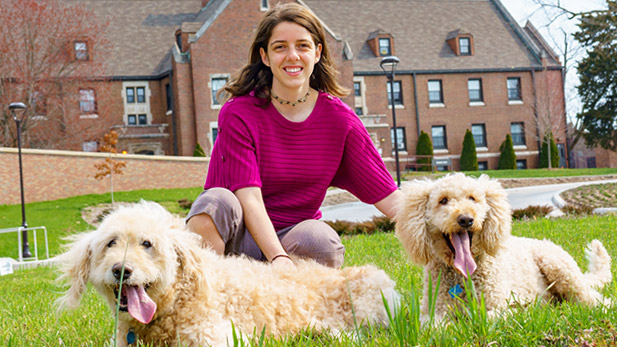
[308, 239]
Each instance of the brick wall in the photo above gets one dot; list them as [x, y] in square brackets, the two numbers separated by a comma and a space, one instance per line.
[51, 175]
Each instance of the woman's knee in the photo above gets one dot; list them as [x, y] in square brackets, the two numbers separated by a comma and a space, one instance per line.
[317, 240]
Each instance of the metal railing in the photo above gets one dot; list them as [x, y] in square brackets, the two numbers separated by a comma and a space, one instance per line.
[19, 230]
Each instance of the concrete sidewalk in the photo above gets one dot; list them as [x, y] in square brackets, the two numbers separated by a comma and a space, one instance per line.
[519, 198]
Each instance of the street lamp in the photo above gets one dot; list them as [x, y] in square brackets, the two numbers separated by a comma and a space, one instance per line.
[388, 65]
[25, 251]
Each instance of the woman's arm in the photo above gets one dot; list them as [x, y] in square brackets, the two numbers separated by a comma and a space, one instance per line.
[259, 224]
[389, 204]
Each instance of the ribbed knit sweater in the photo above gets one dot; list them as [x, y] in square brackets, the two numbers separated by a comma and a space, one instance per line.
[294, 163]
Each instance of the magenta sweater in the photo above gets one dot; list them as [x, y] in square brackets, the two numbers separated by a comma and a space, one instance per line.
[295, 163]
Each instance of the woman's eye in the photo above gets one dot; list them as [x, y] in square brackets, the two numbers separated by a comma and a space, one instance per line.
[146, 244]
[443, 201]
[111, 243]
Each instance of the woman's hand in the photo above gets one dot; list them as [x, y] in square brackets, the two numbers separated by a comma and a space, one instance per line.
[282, 260]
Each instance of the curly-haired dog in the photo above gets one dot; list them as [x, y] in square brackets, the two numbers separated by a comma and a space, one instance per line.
[458, 226]
[173, 291]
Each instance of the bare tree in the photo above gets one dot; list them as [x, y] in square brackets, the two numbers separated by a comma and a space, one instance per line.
[52, 58]
[110, 165]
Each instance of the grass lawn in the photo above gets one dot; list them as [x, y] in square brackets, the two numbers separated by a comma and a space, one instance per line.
[28, 316]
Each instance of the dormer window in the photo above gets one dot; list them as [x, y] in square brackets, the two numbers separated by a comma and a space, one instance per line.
[381, 43]
[81, 50]
[461, 42]
[384, 46]
[464, 45]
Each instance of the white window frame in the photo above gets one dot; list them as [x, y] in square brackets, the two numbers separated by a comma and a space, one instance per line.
[264, 5]
[360, 101]
[136, 108]
[217, 77]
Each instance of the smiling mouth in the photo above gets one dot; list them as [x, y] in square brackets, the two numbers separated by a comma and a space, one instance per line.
[293, 69]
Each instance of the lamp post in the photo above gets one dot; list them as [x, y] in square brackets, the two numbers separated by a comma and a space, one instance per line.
[388, 65]
[25, 251]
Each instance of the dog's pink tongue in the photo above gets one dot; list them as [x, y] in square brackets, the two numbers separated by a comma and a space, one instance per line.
[463, 260]
[141, 307]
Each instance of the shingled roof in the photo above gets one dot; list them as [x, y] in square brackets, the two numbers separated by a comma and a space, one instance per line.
[142, 33]
[420, 28]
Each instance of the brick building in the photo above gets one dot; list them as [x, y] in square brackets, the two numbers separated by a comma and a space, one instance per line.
[463, 65]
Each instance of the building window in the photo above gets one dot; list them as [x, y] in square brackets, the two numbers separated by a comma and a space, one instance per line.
[141, 94]
[400, 138]
[168, 96]
[215, 85]
[435, 96]
[438, 133]
[357, 89]
[482, 165]
[39, 105]
[514, 89]
[130, 95]
[464, 45]
[517, 130]
[398, 96]
[521, 164]
[263, 4]
[358, 111]
[87, 101]
[81, 50]
[89, 146]
[384, 47]
[475, 90]
[479, 134]
[139, 119]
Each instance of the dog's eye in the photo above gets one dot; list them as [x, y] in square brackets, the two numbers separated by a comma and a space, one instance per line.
[111, 243]
[146, 244]
[443, 201]
[472, 198]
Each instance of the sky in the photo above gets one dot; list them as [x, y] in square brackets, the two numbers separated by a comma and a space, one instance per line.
[541, 18]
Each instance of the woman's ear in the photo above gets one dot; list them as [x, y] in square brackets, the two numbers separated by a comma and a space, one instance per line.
[318, 53]
[411, 227]
[264, 56]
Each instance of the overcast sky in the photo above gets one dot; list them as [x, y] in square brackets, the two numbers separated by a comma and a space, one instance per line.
[524, 10]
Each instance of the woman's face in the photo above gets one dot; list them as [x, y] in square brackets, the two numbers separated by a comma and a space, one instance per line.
[291, 55]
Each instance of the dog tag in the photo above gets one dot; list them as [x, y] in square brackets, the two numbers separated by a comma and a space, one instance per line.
[130, 337]
[455, 291]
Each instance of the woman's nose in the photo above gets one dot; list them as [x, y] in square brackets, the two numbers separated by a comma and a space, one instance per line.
[293, 54]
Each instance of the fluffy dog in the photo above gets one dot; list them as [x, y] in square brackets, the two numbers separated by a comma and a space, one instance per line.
[173, 291]
[459, 226]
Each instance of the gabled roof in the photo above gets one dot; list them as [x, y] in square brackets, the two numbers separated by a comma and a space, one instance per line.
[142, 33]
[534, 34]
[420, 29]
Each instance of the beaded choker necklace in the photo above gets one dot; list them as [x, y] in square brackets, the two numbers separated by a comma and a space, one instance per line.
[291, 103]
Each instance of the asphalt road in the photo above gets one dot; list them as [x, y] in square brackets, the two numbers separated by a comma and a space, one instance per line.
[518, 197]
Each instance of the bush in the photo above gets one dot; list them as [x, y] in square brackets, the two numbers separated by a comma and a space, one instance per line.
[531, 212]
[185, 204]
[507, 158]
[544, 152]
[424, 147]
[469, 158]
[377, 224]
[573, 210]
[199, 151]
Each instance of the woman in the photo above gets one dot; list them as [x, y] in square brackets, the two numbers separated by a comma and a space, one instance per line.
[284, 138]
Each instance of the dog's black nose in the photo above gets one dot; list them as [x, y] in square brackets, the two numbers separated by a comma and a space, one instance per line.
[464, 221]
[117, 271]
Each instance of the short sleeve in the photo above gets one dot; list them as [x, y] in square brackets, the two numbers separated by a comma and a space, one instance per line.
[233, 164]
[362, 171]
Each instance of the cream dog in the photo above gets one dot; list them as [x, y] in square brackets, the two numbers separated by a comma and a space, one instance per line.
[459, 226]
[173, 291]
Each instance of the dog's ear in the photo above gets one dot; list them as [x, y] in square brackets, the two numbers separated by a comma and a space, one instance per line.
[411, 227]
[187, 248]
[75, 269]
[498, 220]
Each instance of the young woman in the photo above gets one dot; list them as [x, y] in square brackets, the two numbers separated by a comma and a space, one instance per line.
[284, 138]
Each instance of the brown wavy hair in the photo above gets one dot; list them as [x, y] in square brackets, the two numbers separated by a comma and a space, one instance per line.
[258, 77]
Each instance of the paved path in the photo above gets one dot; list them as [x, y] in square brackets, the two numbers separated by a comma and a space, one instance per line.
[519, 198]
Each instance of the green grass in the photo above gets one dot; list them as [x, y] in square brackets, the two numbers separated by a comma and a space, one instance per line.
[28, 316]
